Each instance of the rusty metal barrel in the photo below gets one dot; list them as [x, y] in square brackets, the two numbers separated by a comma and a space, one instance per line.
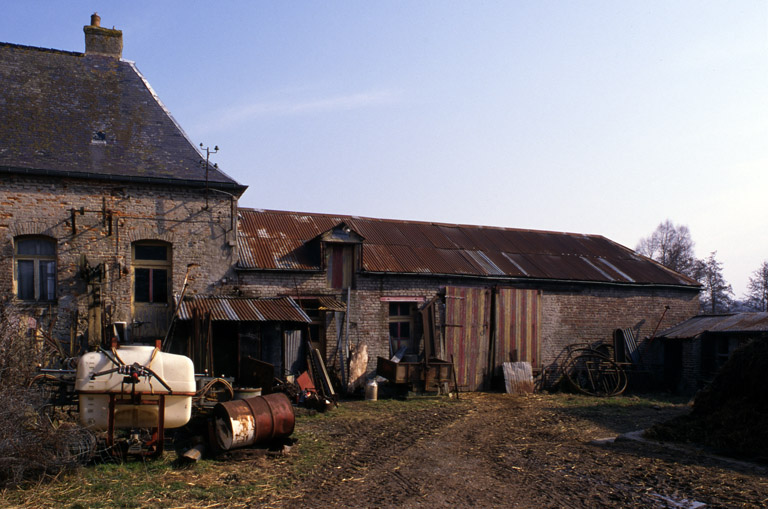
[244, 422]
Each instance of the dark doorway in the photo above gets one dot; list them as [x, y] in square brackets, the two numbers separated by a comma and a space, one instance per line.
[673, 365]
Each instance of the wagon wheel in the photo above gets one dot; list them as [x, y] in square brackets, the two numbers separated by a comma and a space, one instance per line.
[594, 374]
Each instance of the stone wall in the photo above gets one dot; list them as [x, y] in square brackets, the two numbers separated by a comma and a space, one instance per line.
[177, 215]
[591, 314]
[570, 314]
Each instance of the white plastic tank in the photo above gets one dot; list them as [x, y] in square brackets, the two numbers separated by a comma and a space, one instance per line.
[177, 371]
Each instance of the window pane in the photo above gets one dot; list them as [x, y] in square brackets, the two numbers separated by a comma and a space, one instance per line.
[47, 280]
[141, 285]
[151, 252]
[26, 280]
[159, 285]
[36, 247]
[400, 330]
[398, 309]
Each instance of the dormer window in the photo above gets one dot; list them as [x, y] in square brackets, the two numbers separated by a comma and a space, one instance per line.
[340, 261]
[99, 138]
[342, 248]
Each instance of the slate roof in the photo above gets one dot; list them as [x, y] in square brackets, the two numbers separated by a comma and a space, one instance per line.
[70, 114]
[279, 240]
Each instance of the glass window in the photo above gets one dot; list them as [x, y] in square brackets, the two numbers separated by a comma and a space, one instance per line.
[151, 270]
[151, 252]
[151, 285]
[35, 268]
[26, 279]
[402, 322]
[47, 270]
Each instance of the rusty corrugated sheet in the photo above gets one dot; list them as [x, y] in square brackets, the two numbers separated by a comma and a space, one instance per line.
[517, 323]
[467, 317]
[330, 304]
[241, 309]
[730, 323]
[277, 240]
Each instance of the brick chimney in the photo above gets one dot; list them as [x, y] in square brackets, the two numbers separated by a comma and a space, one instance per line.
[102, 41]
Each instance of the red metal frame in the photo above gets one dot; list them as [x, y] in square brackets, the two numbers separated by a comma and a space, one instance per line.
[155, 444]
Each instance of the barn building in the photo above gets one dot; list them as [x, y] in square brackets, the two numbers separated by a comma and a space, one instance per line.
[110, 215]
[478, 295]
[696, 349]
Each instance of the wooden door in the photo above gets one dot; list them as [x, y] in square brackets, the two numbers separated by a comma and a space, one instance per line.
[467, 317]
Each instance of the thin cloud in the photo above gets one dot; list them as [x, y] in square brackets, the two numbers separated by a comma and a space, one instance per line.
[237, 115]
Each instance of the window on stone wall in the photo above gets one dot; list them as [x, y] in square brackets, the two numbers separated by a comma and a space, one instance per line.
[35, 268]
[403, 324]
[151, 271]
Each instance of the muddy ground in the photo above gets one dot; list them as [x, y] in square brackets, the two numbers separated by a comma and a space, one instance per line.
[485, 450]
[497, 450]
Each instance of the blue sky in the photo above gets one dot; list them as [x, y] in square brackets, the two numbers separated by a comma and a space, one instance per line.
[603, 117]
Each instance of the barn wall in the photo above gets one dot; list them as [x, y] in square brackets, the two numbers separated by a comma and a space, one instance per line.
[590, 314]
[570, 314]
[41, 206]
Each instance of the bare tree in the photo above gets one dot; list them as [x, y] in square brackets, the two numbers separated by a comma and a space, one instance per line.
[757, 289]
[716, 294]
[671, 246]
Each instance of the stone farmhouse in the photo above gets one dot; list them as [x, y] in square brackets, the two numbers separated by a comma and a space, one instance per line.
[110, 215]
[105, 201]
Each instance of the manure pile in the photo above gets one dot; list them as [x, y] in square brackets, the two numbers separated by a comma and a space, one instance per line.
[731, 414]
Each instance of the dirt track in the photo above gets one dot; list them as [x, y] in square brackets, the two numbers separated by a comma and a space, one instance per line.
[499, 450]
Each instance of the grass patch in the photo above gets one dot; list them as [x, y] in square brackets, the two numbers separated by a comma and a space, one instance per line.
[251, 482]
[621, 401]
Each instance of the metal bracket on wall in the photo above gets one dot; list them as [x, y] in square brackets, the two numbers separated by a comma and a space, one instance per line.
[74, 221]
[107, 218]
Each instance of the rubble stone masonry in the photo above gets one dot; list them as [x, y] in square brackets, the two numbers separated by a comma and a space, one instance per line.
[174, 214]
[573, 313]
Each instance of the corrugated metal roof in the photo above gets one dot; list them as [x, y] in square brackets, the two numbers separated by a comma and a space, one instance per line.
[242, 309]
[331, 304]
[730, 323]
[279, 240]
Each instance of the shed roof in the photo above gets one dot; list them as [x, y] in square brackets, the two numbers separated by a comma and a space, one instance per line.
[280, 240]
[727, 323]
[243, 309]
[71, 114]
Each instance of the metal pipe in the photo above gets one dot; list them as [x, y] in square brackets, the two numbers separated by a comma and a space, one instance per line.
[184, 286]
[653, 336]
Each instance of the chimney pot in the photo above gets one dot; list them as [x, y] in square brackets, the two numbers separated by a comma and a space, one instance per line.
[95, 20]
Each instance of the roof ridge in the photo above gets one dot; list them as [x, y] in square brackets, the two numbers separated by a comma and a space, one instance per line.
[45, 50]
[427, 223]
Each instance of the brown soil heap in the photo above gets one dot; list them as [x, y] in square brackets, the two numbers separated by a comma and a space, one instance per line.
[731, 414]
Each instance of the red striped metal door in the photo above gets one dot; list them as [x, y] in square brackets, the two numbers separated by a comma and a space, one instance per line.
[467, 318]
[516, 325]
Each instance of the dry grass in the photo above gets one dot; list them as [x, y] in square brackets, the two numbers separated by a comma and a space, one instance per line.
[33, 446]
